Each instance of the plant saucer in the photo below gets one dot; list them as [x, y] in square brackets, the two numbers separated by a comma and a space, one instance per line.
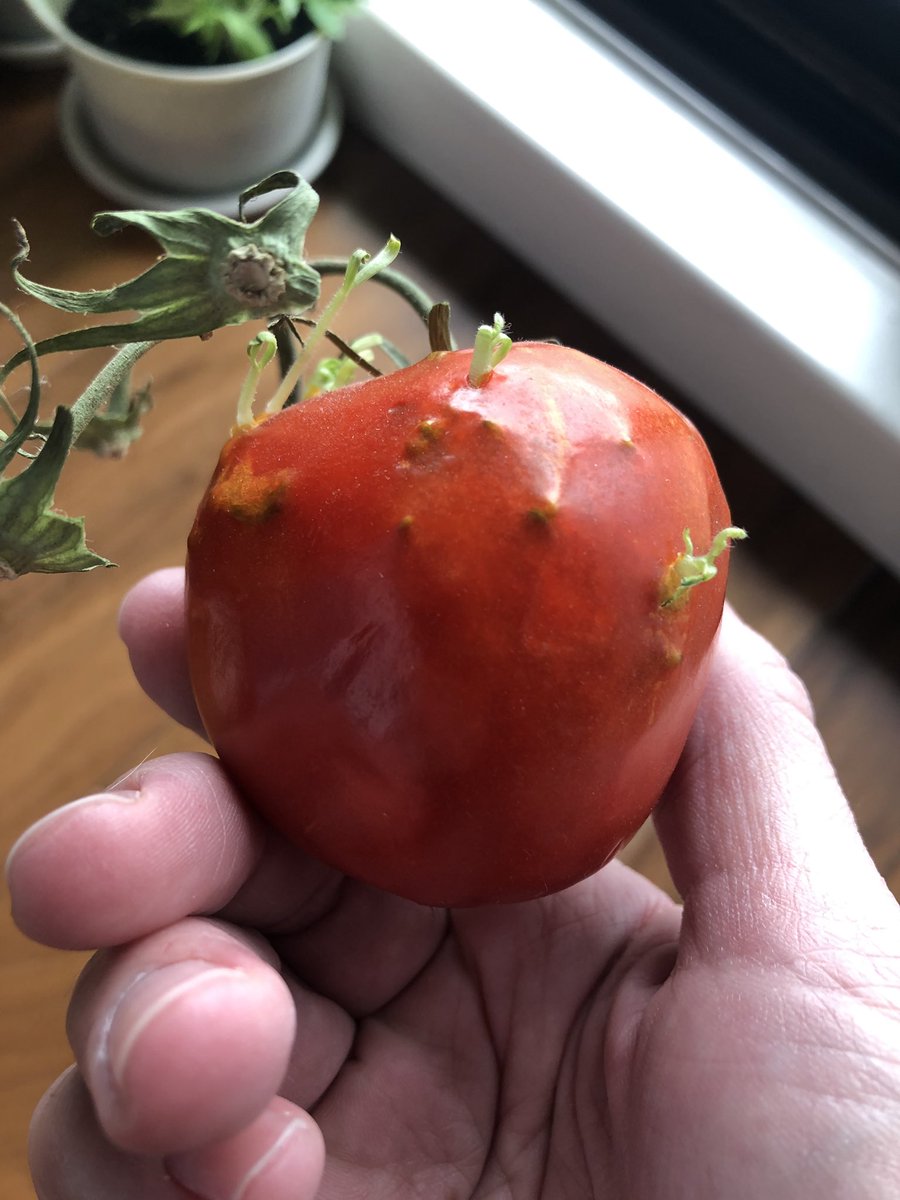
[35, 52]
[94, 164]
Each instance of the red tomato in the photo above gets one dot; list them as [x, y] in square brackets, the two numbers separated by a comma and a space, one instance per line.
[426, 627]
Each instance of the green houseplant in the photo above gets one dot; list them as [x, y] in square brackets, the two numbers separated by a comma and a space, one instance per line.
[180, 101]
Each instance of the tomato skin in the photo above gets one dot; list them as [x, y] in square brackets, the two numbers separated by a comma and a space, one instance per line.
[425, 623]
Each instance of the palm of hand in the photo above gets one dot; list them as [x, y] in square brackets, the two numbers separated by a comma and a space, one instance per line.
[562, 1049]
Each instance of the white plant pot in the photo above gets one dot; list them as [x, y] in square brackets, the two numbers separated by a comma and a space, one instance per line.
[192, 131]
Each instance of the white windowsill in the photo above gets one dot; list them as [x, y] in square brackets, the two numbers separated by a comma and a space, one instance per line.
[763, 303]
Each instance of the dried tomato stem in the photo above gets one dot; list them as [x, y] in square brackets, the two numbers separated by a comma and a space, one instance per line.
[439, 335]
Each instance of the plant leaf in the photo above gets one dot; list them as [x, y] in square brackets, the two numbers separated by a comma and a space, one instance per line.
[26, 423]
[330, 16]
[110, 432]
[215, 271]
[33, 537]
[235, 25]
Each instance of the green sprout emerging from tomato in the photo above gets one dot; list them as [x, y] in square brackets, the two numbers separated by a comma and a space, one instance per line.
[691, 568]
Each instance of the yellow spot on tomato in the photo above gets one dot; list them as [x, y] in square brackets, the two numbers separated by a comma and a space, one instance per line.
[247, 496]
[428, 436]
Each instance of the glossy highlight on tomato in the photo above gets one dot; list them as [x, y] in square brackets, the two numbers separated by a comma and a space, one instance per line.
[427, 622]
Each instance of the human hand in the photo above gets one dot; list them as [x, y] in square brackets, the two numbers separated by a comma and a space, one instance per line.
[255, 1027]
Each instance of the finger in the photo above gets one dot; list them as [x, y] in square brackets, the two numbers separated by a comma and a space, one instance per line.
[172, 839]
[151, 624]
[758, 835]
[70, 1158]
[278, 1156]
[183, 1037]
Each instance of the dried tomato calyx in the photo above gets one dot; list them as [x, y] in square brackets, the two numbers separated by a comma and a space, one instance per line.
[690, 568]
[254, 276]
[214, 271]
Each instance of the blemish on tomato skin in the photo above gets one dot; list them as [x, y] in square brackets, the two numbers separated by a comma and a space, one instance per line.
[430, 429]
[672, 657]
[248, 497]
[542, 514]
[429, 434]
[493, 427]
[667, 645]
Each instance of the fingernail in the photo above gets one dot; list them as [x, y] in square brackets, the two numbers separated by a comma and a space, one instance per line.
[61, 815]
[269, 1158]
[250, 1165]
[145, 1000]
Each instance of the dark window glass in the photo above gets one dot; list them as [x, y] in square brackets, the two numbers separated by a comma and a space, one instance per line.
[817, 80]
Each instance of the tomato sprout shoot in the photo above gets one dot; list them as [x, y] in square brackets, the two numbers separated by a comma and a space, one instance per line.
[492, 344]
[337, 372]
[260, 350]
[689, 568]
[360, 268]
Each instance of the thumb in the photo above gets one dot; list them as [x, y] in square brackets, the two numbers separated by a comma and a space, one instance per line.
[758, 835]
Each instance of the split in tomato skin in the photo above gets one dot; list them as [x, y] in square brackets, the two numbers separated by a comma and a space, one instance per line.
[426, 624]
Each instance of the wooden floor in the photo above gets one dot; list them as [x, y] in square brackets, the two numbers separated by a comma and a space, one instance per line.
[73, 720]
